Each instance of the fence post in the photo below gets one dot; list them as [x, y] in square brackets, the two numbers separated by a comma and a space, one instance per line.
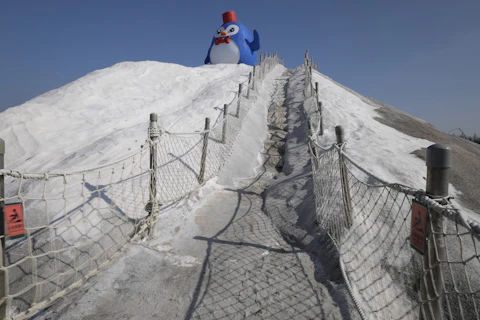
[201, 174]
[320, 110]
[224, 130]
[153, 133]
[344, 177]
[253, 78]
[249, 84]
[3, 306]
[238, 100]
[313, 149]
[439, 162]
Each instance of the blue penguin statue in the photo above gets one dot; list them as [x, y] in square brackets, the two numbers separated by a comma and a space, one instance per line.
[233, 43]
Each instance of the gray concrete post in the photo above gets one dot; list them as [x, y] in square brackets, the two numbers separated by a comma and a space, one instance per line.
[224, 129]
[439, 162]
[201, 174]
[3, 306]
[238, 99]
[320, 111]
[344, 177]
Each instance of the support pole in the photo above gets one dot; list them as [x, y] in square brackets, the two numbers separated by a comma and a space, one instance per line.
[224, 130]
[344, 177]
[253, 79]
[3, 278]
[313, 149]
[201, 174]
[439, 162]
[320, 110]
[238, 99]
[153, 133]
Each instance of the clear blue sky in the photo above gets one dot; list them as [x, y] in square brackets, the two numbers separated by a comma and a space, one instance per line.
[422, 57]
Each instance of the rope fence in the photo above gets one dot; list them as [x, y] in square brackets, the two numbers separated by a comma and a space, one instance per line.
[405, 253]
[59, 229]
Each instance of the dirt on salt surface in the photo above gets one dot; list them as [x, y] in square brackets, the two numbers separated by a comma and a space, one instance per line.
[237, 266]
[465, 171]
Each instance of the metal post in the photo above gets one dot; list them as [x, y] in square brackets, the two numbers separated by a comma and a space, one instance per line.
[3, 306]
[344, 177]
[224, 130]
[320, 111]
[238, 99]
[439, 162]
[201, 174]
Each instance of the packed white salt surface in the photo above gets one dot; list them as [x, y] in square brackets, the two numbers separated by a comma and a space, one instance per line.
[104, 115]
[380, 149]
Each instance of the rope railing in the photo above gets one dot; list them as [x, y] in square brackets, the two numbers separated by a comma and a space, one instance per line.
[376, 225]
[75, 223]
[190, 159]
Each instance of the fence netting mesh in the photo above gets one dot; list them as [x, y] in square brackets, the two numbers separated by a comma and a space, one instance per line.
[74, 224]
[370, 220]
[77, 222]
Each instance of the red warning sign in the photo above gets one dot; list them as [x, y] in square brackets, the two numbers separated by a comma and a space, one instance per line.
[15, 226]
[418, 232]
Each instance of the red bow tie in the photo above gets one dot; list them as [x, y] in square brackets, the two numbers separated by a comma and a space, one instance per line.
[220, 40]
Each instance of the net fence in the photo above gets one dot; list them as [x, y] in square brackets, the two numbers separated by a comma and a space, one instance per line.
[186, 160]
[77, 222]
[370, 222]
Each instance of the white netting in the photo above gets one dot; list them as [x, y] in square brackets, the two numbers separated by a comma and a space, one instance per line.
[79, 221]
[369, 220]
[75, 223]
[179, 161]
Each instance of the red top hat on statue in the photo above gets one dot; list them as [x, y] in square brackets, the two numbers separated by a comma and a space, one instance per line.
[229, 16]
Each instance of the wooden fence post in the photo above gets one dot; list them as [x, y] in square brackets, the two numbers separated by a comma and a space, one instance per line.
[153, 133]
[238, 99]
[344, 177]
[224, 130]
[320, 111]
[201, 174]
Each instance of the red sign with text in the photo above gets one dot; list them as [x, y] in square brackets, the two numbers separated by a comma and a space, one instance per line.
[15, 226]
[418, 232]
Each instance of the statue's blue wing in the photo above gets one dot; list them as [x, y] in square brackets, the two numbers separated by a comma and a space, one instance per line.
[255, 44]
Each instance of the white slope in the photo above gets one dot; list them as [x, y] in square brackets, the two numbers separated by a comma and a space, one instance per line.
[382, 150]
[104, 115]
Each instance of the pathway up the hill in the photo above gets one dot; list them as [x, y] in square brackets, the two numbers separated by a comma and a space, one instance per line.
[233, 264]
